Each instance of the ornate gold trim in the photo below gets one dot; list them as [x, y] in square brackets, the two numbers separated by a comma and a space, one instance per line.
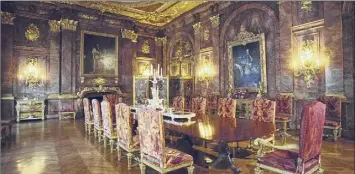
[244, 37]
[7, 18]
[54, 26]
[85, 16]
[62, 96]
[111, 21]
[32, 32]
[197, 27]
[160, 41]
[129, 34]
[214, 21]
[8, 97]
[146, 47]
[82, 54]
[68, 24]
[98, 89]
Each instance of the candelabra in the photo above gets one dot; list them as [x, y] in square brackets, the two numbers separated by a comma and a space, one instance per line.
[31, 74]
[155, 77]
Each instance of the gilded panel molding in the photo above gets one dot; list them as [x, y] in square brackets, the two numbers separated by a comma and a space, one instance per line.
[146, 47]
[197, 27]
[129, 34]
[32, 32]
[68, 24]
[160, 41]
[244, 37]
[54, 26]
[7, 18]
[85, 16]
[214, 20]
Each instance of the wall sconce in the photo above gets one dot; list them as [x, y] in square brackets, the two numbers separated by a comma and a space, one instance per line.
[308, 63]
[31, 74]
[207, 71]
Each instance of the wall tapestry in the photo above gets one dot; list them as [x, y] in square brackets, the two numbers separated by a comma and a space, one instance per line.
[99, 54]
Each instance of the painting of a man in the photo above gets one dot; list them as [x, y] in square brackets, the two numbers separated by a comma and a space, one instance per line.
[246, 65]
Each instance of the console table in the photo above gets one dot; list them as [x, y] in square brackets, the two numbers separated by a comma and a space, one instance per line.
[30, 109]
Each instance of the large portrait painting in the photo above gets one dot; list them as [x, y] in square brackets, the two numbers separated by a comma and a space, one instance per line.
[98, 54]
[247, 61]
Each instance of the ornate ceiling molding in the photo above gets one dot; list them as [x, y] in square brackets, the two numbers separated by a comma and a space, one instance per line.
[129, 34]
[154, 13]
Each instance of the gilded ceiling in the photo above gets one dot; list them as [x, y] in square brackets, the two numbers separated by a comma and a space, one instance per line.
[156, 13]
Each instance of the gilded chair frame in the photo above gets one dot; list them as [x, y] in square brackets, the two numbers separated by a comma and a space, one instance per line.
[285, 122]
[336, 129]
[88, 118]
[113, 136]
[98, 125]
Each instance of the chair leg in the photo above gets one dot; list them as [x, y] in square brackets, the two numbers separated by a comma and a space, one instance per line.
[105, 142]
[129, 159]
[99, 134]
[95, 133]
[190, 169]
[111, 144]
[335, 134]
[258, 170]
[142, 166]
[86, 127]
[320, 171]
[340, 129]
[118, 153]
[89, 128]
[284, 126]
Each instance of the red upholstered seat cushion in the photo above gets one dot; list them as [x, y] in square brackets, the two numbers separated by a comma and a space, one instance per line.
[285, 160]
[173, 158]
[331, 123]
[282, 117]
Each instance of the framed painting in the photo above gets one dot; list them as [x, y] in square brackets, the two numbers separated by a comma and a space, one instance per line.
[98, 54]
[247, 61]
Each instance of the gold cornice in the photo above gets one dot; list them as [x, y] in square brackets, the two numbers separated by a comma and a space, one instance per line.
[68, 24]
[129, 34]
[54, 26]
[88, 17]
[7, 18]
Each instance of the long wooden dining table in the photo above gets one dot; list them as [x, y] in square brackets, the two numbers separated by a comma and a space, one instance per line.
[223, 130]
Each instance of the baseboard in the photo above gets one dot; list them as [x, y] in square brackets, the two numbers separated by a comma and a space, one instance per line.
[348, 134]
[52, 116]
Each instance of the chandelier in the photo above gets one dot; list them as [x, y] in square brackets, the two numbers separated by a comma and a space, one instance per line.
[31, 74]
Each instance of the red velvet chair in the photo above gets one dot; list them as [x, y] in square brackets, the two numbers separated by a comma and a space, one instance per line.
[113, 100]
[98, 127]
[227, 107]
[307, 158]
[284, 109]
[109, 127]
[332, 114]
[212, 103]
[198, 105]
[89, 119]
[179, 103]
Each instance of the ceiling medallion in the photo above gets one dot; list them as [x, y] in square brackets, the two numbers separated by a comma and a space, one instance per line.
[32, 32]
[145, 47]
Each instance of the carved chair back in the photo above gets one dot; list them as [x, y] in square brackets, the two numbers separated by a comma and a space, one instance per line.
[212, 102]
[96, 110]
[124, 125]
[311, 132]
[151, 136]
[87, 110]
[179, 103]
[263, 110]
[284, 104]
[227, 107]
[113, 100]
[107, 118]
[333, 110]
[198, 105]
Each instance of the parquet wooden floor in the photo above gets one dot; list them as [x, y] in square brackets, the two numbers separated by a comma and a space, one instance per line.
[54, 147]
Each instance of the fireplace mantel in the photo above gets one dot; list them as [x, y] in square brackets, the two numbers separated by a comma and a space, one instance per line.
[98, 89]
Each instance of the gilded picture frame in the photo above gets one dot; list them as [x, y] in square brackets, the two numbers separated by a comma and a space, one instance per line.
[98, 54]
[255, 76]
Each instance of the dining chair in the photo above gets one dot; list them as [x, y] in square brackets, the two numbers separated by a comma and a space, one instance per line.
[284, 109]
[227, 107]
[109, 131]
[179, 103]
[198, 105]
[263, 110]
[307, 157]
[98, 127]
[125, 138]
[154, 153]
[113, 100]
[89, 120]
[212, 103]
[332, 115]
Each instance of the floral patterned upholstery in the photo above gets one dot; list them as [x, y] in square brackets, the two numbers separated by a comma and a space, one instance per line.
[178, 103]
[227, 107]
[284, 107]
[113, 100]
[107, 119]
[333, 111]
[97, 114]
[198, 105]
[263, 110]
[87, 111]
[152, 142]
[212, 102]
[310, 144]
[124, 127]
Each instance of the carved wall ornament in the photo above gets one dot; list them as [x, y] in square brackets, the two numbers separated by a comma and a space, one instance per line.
[243, 35]
[197, 27]
[99, 81]
[7, 18]
[68, 24]
[146, 47]
[54, 26]
[306, 5]
[214, 20]
[206, 34]
[129, 34]
[32, 32]
[85, 16]
[101, 88]
[160, 41]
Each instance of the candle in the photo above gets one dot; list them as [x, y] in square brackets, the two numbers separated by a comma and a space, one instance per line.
[158, 69]
[161, 72]
[151, 69]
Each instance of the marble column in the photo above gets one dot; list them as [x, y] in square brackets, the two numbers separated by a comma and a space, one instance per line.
[54, 54]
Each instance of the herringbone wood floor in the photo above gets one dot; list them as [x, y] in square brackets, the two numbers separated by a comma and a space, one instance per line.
[54, 146]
